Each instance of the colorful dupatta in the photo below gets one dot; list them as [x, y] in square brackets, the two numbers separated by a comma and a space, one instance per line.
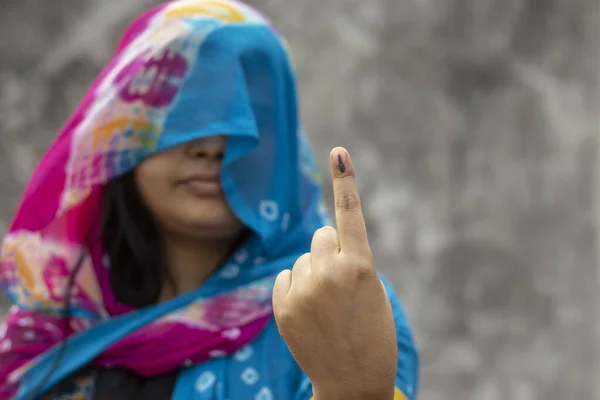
[183, 70]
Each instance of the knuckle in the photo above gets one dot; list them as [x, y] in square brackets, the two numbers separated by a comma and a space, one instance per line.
[303, 259]
[363, 272]
[344, 279]
[330, 283]
[360, 272]
[325, 233]
[283, 275]
[360, 268]
[308, 299]
[302, 264]
[348, 201]
[284, 316]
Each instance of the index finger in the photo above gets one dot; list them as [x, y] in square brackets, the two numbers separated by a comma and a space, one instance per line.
[348, 211]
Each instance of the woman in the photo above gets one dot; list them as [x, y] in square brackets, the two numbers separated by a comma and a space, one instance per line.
[158, 232]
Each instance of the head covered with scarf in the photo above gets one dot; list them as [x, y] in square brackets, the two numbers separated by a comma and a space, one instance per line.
[183, 70]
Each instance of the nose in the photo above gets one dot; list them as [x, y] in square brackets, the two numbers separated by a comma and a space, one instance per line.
[212, 147]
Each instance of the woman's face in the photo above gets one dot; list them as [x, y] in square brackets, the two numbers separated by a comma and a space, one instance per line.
[181, 187]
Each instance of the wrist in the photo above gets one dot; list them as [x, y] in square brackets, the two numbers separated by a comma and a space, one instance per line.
[349, 393]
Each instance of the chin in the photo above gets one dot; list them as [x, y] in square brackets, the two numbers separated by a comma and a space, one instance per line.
[209, 217]
[222, 223]
[215, 230]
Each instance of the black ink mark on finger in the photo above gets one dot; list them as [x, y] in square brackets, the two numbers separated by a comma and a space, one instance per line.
[341, 165]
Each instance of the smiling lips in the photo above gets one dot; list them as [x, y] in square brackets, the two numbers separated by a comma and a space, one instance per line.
[203, 186]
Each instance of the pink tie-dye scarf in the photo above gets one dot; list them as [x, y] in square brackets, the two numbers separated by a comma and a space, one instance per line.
[60, 210]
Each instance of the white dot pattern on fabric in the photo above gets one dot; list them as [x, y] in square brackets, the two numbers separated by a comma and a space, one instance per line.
[5, 345]
[244, 353]
[264, 394]
[217, 353]
[285, 222]
[188, 363]
[76, 325]
[29, 335]
[106, 261]
[250, 376]
[409, 389]
[230, 271]
[269, 210]
[232, 333]
[3, 329]
[241, 256]
[25, 322]
[13, 377]
[205, 381]
[259, 260]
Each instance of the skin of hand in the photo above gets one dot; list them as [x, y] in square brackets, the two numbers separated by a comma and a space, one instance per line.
[332, 309]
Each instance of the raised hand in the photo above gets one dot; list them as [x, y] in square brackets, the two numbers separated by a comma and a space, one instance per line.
[332, 309]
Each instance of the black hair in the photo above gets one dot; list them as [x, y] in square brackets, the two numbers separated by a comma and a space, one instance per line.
[132, 241]
[133, 245]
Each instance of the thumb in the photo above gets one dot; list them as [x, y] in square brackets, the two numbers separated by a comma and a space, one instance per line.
[283, 282]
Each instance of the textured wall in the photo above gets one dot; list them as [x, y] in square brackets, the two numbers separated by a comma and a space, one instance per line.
[474, 127]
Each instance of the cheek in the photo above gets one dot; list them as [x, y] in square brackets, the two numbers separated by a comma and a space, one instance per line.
[153, 184]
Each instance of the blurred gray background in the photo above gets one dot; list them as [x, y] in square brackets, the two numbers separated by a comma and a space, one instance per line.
[474, 127]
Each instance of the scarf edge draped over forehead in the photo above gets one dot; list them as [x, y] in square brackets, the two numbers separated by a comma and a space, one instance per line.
[114, 129]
